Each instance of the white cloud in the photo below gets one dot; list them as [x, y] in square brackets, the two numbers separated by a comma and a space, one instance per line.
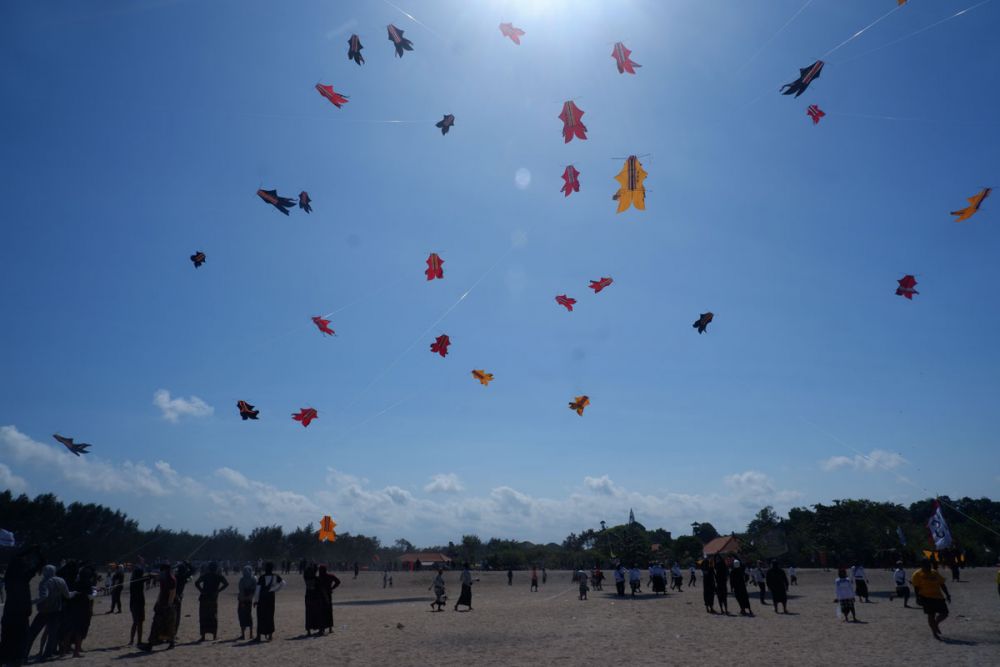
[444, 483]
[264, 502]
[175, 408]
[602, 485]
[8, 480]
[877, 459]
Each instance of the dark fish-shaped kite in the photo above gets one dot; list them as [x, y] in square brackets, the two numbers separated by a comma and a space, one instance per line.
[271, 197]
[336, 99]
[305, 203]
[572, 127]
[198, 259]
[401, 43]
[440, 345]
[77, 449]
[246, 410]
[701, 324]
[354, 49]
[806, 76]
[622, 59]
[571, 181]
[509, 30]
[445, 123]
[906, 287]
[305, 415]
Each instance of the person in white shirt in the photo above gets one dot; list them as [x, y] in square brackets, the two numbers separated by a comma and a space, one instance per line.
[792, 576]
[465, 597]
[760, 580]
[693, 580]
[677, 577]
[860, 582]
[845, 595]
[620, 580]
[635, 580]
[902, 588]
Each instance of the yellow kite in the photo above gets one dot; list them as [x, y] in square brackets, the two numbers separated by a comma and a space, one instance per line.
[326, 526]
[632, 192]
[483, 377]
[975, 201]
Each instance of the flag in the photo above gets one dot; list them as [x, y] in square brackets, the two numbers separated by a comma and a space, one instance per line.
[901, 535]
[939, 534]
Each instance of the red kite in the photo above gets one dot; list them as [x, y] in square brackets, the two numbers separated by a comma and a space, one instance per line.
[326, 532]
[306, 415]
[305, 203]
[621, 56]
[572, 127]
[400, 42]
[701, 324]
[509, 30]
[806, 76]
[336, 99]
[579, 403]
[632, 191]
[440, 345]
[434, 269]
[598, 285]
[571, 181]
[81, 448]
[246, 410]
[354, 49]
[906, 287]
[274, 199]
[483, 377]
[323, 325]
[198, 259]
[565, 301]
[815, 113]
[975, 201]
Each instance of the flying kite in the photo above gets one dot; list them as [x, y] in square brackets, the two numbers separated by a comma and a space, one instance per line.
[305, 415]
[806, 76]
[304, 202]
[509, 30]
[434, 269]
[598, 285]
[246, 410]
[900, 3]
[396, 37]
[701, 324]
[445, 123]
[572, 127]
[324, 326]
[80, 448]
[336, 99]
[815, 113]
[571, 178]
[975, 201]
[440, 345]
[906, 287]
[483, 377]
[579, 403]
[565, 301]
[632, 192]
[621, 56]
[326, 532]
[354, 49]
[271, 197]
[198, 259]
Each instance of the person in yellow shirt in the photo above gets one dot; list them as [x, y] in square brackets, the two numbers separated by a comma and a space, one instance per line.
[931, 594]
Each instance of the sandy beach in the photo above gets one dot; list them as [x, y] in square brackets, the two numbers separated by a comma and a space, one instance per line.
[512, 626]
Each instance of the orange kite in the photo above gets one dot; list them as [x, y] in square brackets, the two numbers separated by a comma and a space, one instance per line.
[326, 526]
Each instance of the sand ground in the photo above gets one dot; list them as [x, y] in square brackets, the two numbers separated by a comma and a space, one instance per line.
[512, 626]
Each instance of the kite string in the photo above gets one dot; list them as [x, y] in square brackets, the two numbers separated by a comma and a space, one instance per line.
[773, 37]
[859, 32]
[412, 18]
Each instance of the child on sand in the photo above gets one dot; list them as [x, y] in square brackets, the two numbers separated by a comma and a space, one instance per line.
[844, 589]
[902, 589]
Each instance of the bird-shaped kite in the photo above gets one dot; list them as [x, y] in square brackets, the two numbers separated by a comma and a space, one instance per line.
[906, 287]
[305, 415]
[326, 532]
[198, 259]
[815, 113]
[632, 191]
[509, 30]
[975, 201]
[434, 269]
[598, 285]
[483, 377]
[445, 123]
[440, 345]
[323, 325]
[571, 181]
[806, 76]
[579, 403]
[246, 410]
[701, 324]
[566, 302]
[76, 448]
[271, 197]
[305, 203]
[401, 43]
[336, 99]
[572, 127]
[354, 49]
[621, 56]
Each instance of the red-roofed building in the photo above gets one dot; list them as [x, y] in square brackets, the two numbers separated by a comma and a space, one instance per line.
[722, 546]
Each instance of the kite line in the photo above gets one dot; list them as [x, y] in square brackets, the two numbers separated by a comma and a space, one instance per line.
[412, 18]
[773, 37]
[859, 32]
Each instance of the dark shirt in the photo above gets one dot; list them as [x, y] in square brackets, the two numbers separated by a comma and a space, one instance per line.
[211, 583]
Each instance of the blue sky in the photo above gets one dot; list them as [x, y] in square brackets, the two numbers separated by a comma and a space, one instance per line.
[137, 133]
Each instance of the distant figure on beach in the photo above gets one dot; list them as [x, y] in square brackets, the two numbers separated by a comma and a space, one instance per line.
[245, 591]
[327, 582]
[356, 569]
[722, 584]
[708, 584]
[209, 586]
[137, 603]
[956, 572]
[182, 574]
[313, 600]
[738, 582]
[760, 580]
[510, 576]
[844, 595]
[676, 577]
[439, 593]
[534, 579]
[79, 610]
[268, 584]
[545, 575]
[902, 588]
[657, 579]
[860, 582]
[117, 584]
[792, 575]
[53, 593]
[620, 580]
[693, 578]
[582, 578]
[777, 581]
[931, 593]
[635, 580]
[164, 627]
[465, 597]
[597, 578]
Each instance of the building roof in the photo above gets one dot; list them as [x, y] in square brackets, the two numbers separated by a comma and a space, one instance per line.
[722, 545]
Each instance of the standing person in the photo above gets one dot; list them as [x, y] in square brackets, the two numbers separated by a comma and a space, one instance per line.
[860, 582]
[534, 579]
[792, 572]
[137, 603]
[956, 573]
[844, 592]
[777, 581]
[760, 580]
[52, 591]
[620, 580]
[635, 580]
[80, 609]
[117, 584]
[708, 584]
[209, 586]
[181, 577]
[931, 592]
[676, 577]
[439, 592]
[902, 589]
[14, 625]
[510, 576]
[693, 579]
[245, 590]
[314, 600]
[722, 584]
[268, 584]
[657, 579]
[327, 582]
[545, 575]
[164, 626]
[356, 569]
[465, 597]
[738, 582]
[597, 578]
[582, 578]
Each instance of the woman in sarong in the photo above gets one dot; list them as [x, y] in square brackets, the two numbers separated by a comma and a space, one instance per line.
[246, 588]
[738, 582]
[722, 584]
[314, 600]
[209, 586]
[267, 585]
[465, 597]
[164, 624]
[326, 582]
[708, 583]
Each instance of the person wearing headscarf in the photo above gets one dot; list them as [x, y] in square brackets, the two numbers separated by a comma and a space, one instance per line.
[14, 625]
[465, 597]
[326, 582]
[80, 609]
[777, 581]
[163, 629]
[268, 584]
[314, 600]
[245, 590]
[117, 584]
[52, 594]
[137, 603]
[708, 584]
[738, 582]
[722, 584]
[209, 586]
